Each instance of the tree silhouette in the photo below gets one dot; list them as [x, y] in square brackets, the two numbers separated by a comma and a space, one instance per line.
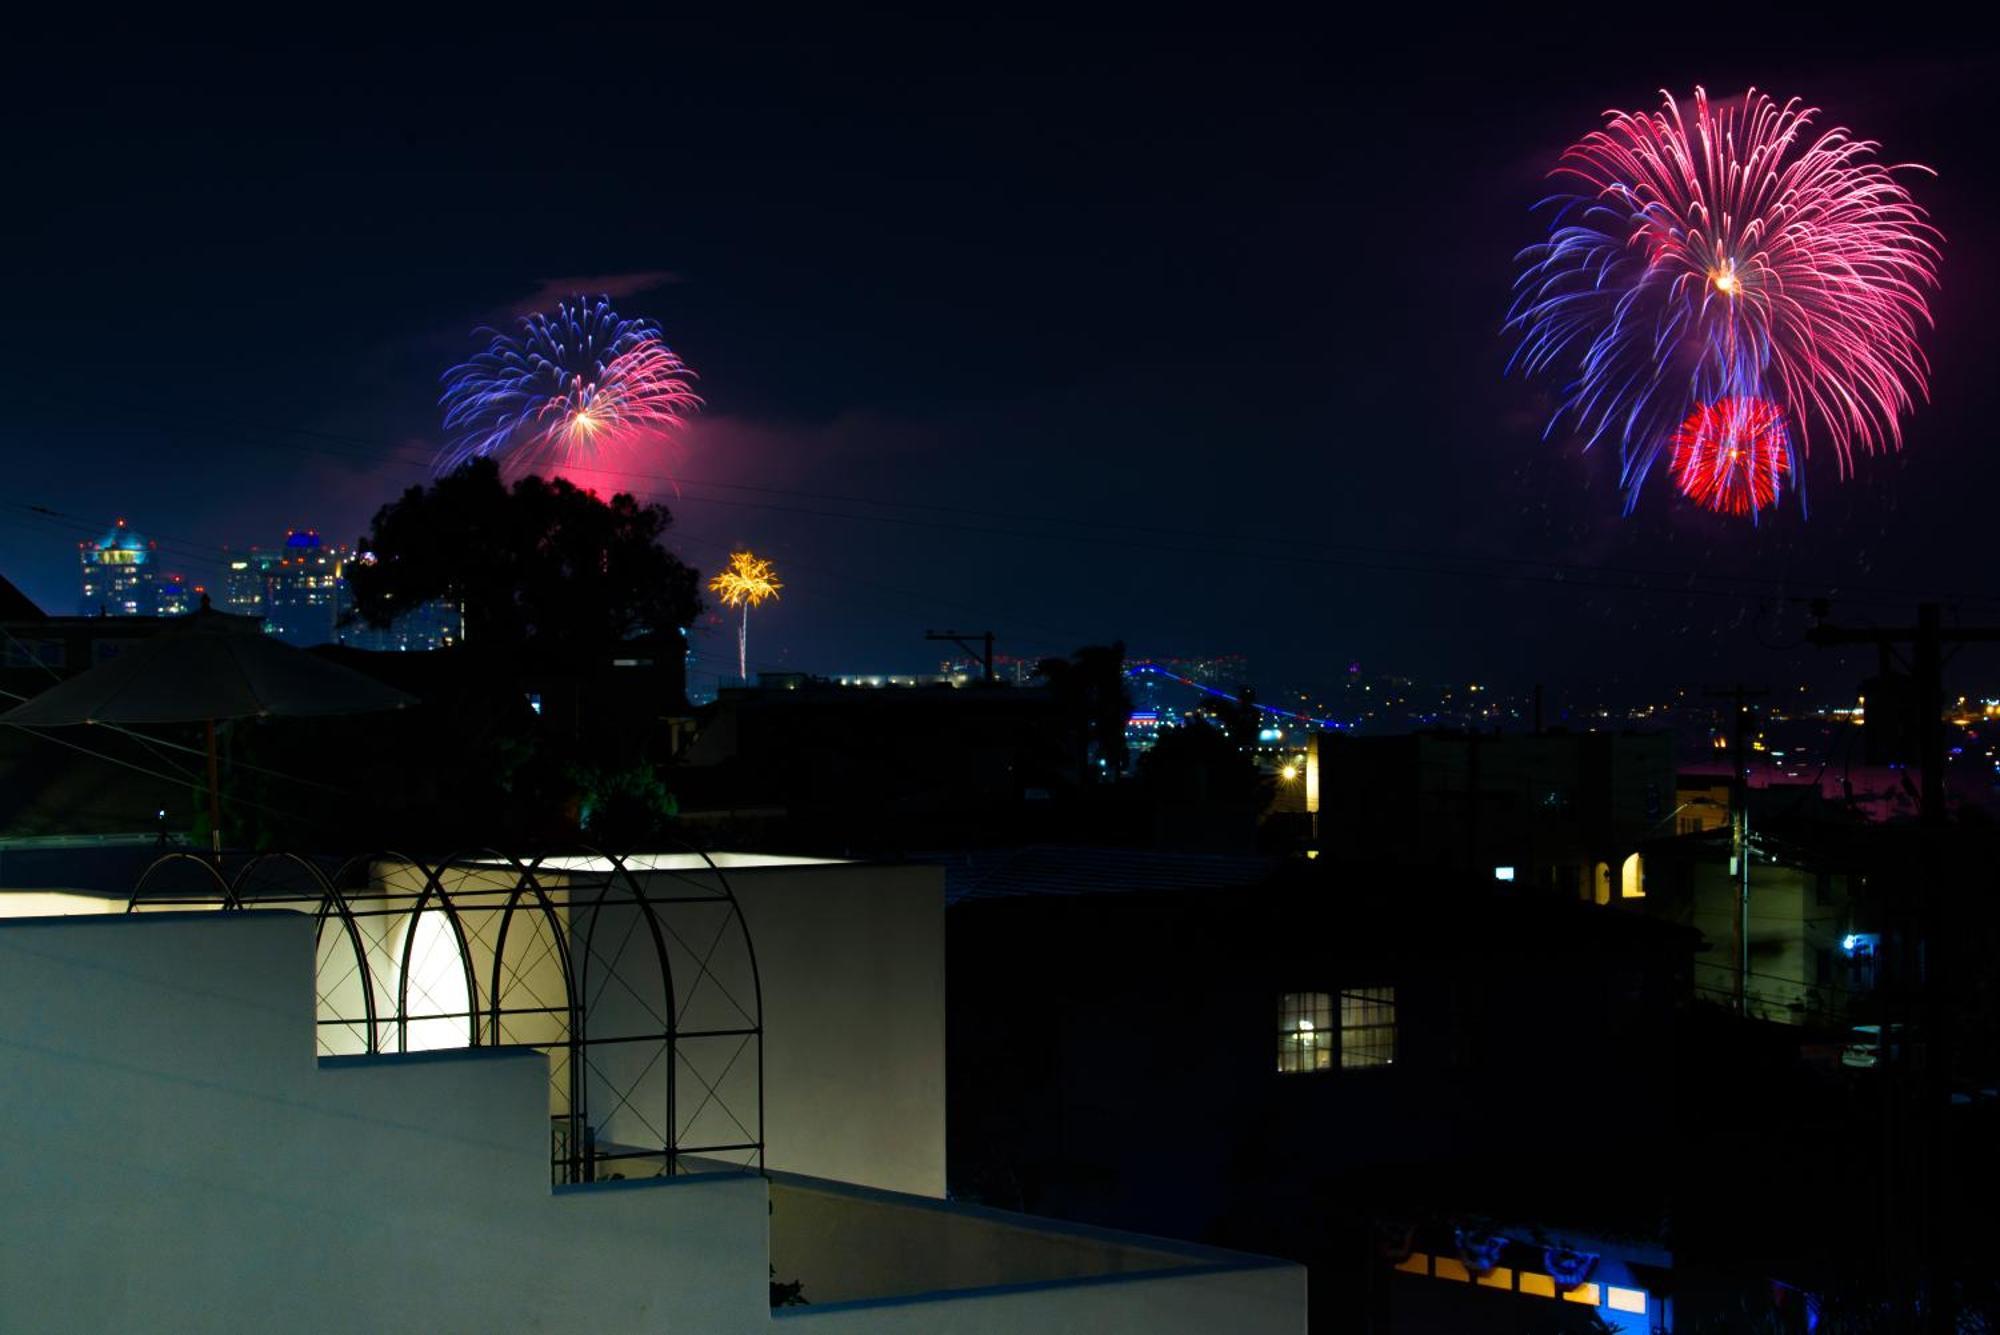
[1090, 683]
[1198, 764]
[543, 563]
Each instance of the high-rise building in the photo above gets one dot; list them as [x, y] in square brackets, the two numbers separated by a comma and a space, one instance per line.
[305, 590]
[432, 625]
[246, 580]
[301, 592]
[119, 575]
[174, 596]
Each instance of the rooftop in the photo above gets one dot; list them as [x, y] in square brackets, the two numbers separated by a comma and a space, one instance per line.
[1064, 870]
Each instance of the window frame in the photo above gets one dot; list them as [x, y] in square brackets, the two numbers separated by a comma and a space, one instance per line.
[1351, 1029]
[1375, 1007]
[1307, 1013]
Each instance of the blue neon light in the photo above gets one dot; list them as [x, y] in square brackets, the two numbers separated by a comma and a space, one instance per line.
[1138, 669]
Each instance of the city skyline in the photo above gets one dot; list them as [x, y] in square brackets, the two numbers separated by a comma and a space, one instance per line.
[1349, 359]
[1374, 702]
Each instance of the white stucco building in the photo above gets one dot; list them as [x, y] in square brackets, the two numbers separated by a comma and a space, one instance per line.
[434, 1100]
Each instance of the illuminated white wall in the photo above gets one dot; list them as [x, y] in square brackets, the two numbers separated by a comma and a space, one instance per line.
[888, 1264]
[852, 959]
[55, 904]
[438, 996]
[173, 1157]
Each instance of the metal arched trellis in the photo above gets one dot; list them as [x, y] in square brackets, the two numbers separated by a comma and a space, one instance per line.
[635, 974]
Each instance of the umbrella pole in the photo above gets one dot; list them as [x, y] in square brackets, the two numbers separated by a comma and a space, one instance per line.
[214, 796]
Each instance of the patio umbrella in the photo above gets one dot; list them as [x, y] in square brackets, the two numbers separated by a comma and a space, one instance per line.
[206, 668]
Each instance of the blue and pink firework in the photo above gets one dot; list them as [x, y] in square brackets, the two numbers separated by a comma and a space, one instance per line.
[1700, 264]
[571, 390]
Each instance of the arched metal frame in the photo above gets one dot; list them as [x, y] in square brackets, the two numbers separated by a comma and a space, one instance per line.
[366, 914]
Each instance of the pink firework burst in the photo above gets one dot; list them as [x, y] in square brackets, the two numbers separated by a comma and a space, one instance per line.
[642, 394]
[1735, 253]
[573, 389]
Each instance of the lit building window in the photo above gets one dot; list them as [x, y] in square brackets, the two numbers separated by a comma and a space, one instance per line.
[1624, 1300]
[1305, 1032]
[1368, 1027]
[1632, 878]
[1313, 1036]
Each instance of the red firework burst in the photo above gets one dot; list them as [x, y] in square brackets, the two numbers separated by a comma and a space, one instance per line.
[1730, 249]
[1732, 455]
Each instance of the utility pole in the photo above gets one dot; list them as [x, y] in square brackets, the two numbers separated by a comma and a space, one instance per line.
[1926, 640]
[1913, 1053]
[1739, 828]
[963, 639]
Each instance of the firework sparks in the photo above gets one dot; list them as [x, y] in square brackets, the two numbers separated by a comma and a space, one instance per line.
[565, 389]
[1732, 457]
[746, 582]
[1732, 256]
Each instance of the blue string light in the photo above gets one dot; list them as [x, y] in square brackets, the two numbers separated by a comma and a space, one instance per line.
[1138, 669]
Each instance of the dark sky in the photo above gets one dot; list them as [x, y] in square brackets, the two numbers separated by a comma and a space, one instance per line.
[1178, 333]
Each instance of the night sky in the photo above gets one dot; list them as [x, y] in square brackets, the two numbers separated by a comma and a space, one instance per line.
[1177, 334]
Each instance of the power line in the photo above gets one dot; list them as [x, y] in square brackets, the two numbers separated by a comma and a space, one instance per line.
[1485, 565]
[167, 778]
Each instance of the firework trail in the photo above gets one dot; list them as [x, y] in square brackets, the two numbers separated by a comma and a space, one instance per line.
[564, 389]
[1737, 256]
[747, 581]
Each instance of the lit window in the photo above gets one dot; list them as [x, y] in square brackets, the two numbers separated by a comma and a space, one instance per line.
[1305, 1032]
[1503, 873]
[1542, 1286]
[1624, 1300]
[1362, 1032]
[1368, 1027]
[1632, 878]
[1582, 1293]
